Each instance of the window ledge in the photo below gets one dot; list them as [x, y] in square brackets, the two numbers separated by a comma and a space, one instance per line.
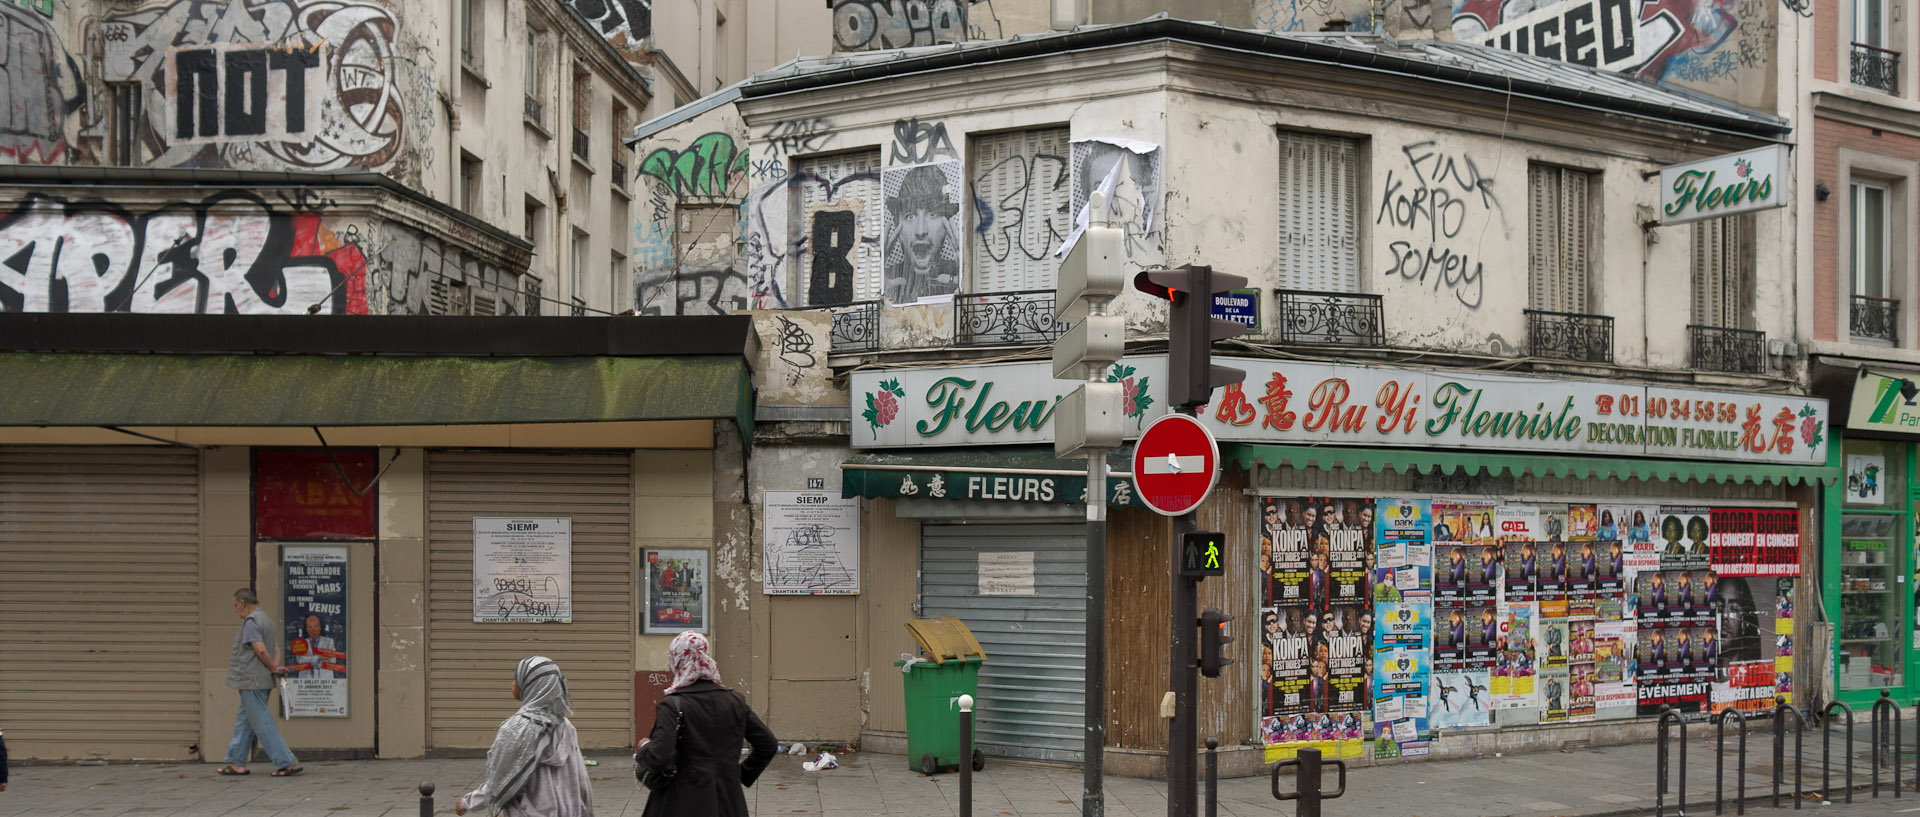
[473, 72]
[538, 128]
[620, 189]
[581, 163]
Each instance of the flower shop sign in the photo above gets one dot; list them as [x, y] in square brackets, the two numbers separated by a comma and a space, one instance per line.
[1723, 185]
[1321, 403]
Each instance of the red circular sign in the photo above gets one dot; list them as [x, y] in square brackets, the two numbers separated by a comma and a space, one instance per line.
[1175, 464]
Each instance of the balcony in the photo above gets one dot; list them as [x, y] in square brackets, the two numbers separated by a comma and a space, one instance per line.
[1872, 318]
[619, 173]
[856, 328]
[1718, 349]
[1330, 319]
[1876, 67]
[579, 308]
[1005, 318]
[531, 299]
[1570, 336]
[581, 147]
[534, 110]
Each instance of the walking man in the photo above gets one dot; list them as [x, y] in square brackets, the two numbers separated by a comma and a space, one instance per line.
[251, 667]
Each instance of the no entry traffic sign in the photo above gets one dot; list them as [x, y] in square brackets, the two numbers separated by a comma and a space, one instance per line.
[1175, 464]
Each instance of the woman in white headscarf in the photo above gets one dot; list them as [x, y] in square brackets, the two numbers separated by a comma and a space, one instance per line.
[704, 751]
[534, 768]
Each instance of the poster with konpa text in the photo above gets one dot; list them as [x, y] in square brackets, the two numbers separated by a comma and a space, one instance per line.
[1402, 669]
[1316, 556]
[314, 618]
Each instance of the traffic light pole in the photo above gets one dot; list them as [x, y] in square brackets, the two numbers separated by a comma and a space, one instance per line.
[1183, 730]
[1092, 799]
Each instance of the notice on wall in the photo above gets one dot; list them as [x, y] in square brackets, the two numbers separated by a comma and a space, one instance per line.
[522, 569]
[1006, 573]
[675, 581]
[313, 581]
[1402, 659]
[812, 544]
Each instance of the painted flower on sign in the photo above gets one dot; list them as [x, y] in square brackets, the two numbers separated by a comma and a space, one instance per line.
[1134, 398]
[883, 405]
[1810, 425]
[1742, 168]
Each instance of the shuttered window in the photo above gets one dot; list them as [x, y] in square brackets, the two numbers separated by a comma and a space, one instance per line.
[470, 666]
[1723, 272]
[1319, 212]
[837, 215]
[1021, 186]
[1560, 229]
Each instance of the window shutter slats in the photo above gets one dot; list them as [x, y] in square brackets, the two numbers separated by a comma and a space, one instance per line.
[1319, 213]
[850, 177]
[1020, 178]
[1559, 238]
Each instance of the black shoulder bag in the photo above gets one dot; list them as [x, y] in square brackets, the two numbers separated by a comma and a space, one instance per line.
[660, 780]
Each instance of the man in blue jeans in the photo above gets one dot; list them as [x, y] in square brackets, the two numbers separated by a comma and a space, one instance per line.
[251, 667]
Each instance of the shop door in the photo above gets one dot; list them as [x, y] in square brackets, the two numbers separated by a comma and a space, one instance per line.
[1867, 572]
[100, 635]
[470, 665]
[1032, 623]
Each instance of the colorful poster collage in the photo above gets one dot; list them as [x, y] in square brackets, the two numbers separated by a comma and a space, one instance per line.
[1395, 619]
[1317, 612]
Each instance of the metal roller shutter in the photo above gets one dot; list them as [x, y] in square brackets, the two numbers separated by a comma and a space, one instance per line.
[100, 602]
[1033, 683]
[470, 666]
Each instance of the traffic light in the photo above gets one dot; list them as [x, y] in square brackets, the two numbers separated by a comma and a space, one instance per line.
[1214, 641]
[1192, 329]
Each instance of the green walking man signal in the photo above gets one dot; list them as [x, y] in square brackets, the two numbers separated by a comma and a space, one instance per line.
[1202, 554]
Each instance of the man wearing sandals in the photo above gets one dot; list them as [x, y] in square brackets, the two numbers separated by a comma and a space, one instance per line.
[251, 668]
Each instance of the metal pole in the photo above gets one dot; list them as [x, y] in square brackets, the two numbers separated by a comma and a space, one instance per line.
[1183, 730]
[1308, 782]
[426, 799]
[1213, 777]
[1093, 800]
[966, 755]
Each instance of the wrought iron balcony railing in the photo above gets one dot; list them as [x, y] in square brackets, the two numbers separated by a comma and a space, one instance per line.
[1005, 318]
[1728, 350]
[535, 110]
[1876, 67]
[1874, 318]
[581, 147]
[579, 308]
[856, 327]
[531, 298]
[1330, 319]
[1570, 336]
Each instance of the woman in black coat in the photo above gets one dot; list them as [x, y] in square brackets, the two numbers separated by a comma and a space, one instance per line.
[704, 751]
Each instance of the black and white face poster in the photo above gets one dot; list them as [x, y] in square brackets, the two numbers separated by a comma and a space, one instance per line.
[314, 620]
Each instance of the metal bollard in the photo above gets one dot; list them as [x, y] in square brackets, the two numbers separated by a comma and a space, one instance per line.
[1660, 757]
[1720, 763]
[1213, 777]
[1307, 782]
[1780, 712]
[1826, 751]
[1886, 720]
[966, 755]
[426, 799]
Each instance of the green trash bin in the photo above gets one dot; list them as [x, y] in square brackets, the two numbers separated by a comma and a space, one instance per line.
[933, 690]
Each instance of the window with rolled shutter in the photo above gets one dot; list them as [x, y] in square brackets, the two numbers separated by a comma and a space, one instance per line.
[1319, 212]
[1723, 272]
[1559, 227]
[1020, 183]
[837, 214]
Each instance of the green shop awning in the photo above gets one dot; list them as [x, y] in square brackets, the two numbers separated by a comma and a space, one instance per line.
[1022, 473]
[367, 390]
[1468, 463]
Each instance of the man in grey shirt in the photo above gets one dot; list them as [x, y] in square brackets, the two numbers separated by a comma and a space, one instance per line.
[251, 667]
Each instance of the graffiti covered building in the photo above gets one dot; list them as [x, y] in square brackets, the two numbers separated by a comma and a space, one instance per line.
[515, 138]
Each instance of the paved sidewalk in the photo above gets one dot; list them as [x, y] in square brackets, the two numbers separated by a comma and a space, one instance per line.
[1609, 781]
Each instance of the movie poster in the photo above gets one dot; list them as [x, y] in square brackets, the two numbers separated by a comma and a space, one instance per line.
[1459, 699]
[314, 620]
[1515, 670]
[1402, 666]
[675, 580]
[1403, 557]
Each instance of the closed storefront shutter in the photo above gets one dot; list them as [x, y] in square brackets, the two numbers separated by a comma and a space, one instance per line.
[1033, 683]
[1319, 213]
[470, 666]
[839, 220]
[100, 602]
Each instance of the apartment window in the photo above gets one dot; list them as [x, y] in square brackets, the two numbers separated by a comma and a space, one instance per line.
[1319, 213]
[124, 133]
[582, 114]
[536, 216]
[622, 127]
[472, 31]
[1869, 22]
[535, 80]
[620, 284]
[839, 220]
[1871, 63]
[1723, 260]
[1868, 212]
[1021, 181]
[470, 181]
[1559, 236]
[577, 273]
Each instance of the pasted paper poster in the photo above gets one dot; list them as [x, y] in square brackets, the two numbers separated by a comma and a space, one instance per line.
[812, 544]
[522, 569]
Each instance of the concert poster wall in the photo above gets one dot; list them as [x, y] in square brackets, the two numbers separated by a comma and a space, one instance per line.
[1317, 553]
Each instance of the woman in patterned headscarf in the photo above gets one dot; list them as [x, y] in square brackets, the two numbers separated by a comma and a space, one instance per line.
[534, 768]
[703, 746]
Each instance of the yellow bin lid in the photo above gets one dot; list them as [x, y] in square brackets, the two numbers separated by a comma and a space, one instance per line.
[944, 638]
